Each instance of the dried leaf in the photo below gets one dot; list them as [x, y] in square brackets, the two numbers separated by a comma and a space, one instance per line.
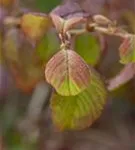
[34, 25]
[80, 111]
[67, 73]
[127, 50]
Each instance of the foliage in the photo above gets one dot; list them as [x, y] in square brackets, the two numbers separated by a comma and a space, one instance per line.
[61, 49]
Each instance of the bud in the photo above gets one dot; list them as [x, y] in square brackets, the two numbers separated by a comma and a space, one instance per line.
[102, 20]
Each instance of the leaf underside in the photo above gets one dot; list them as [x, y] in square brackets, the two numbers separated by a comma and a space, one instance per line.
[67, 73]
[80, 111]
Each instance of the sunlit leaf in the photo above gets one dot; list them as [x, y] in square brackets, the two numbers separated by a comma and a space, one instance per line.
[88, 47]
[34, 25]
[47, 46]
[67, 73]
[80, 111]
[127, 50]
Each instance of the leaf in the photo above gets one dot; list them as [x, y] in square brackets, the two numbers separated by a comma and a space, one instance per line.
[88, 47]
[58, 22]
[80, 111]
[125, 75]
[70, 23]
[46, 6]
[46, 48]
[127, 50]
[101, 20]
[34, 25]
[24, 65]
[11, 45]
[67, 73]
[7, 3]
[69, 9]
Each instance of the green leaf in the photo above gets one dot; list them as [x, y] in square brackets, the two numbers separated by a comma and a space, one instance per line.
[47, 6]
[34, 25]
[67, 73]
[88, 47]
[127, 50]
[47, 46]
[80, 111]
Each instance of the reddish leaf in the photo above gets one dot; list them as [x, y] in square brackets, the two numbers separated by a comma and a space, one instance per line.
[127, 50]
[67, 73]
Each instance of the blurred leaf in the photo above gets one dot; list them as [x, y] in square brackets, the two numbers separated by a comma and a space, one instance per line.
[130, 17]
[7, 3]
[12, 44]
[67, 73]
[15, 141]
[80, 111]
[26, 78]
[69, 9]
[23, 62]
[127, 50]
[88, 47]
[125, 75]
[34, 25]
[47, 46]
[47, 5]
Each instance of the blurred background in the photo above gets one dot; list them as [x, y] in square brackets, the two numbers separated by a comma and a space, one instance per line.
[25, 121]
